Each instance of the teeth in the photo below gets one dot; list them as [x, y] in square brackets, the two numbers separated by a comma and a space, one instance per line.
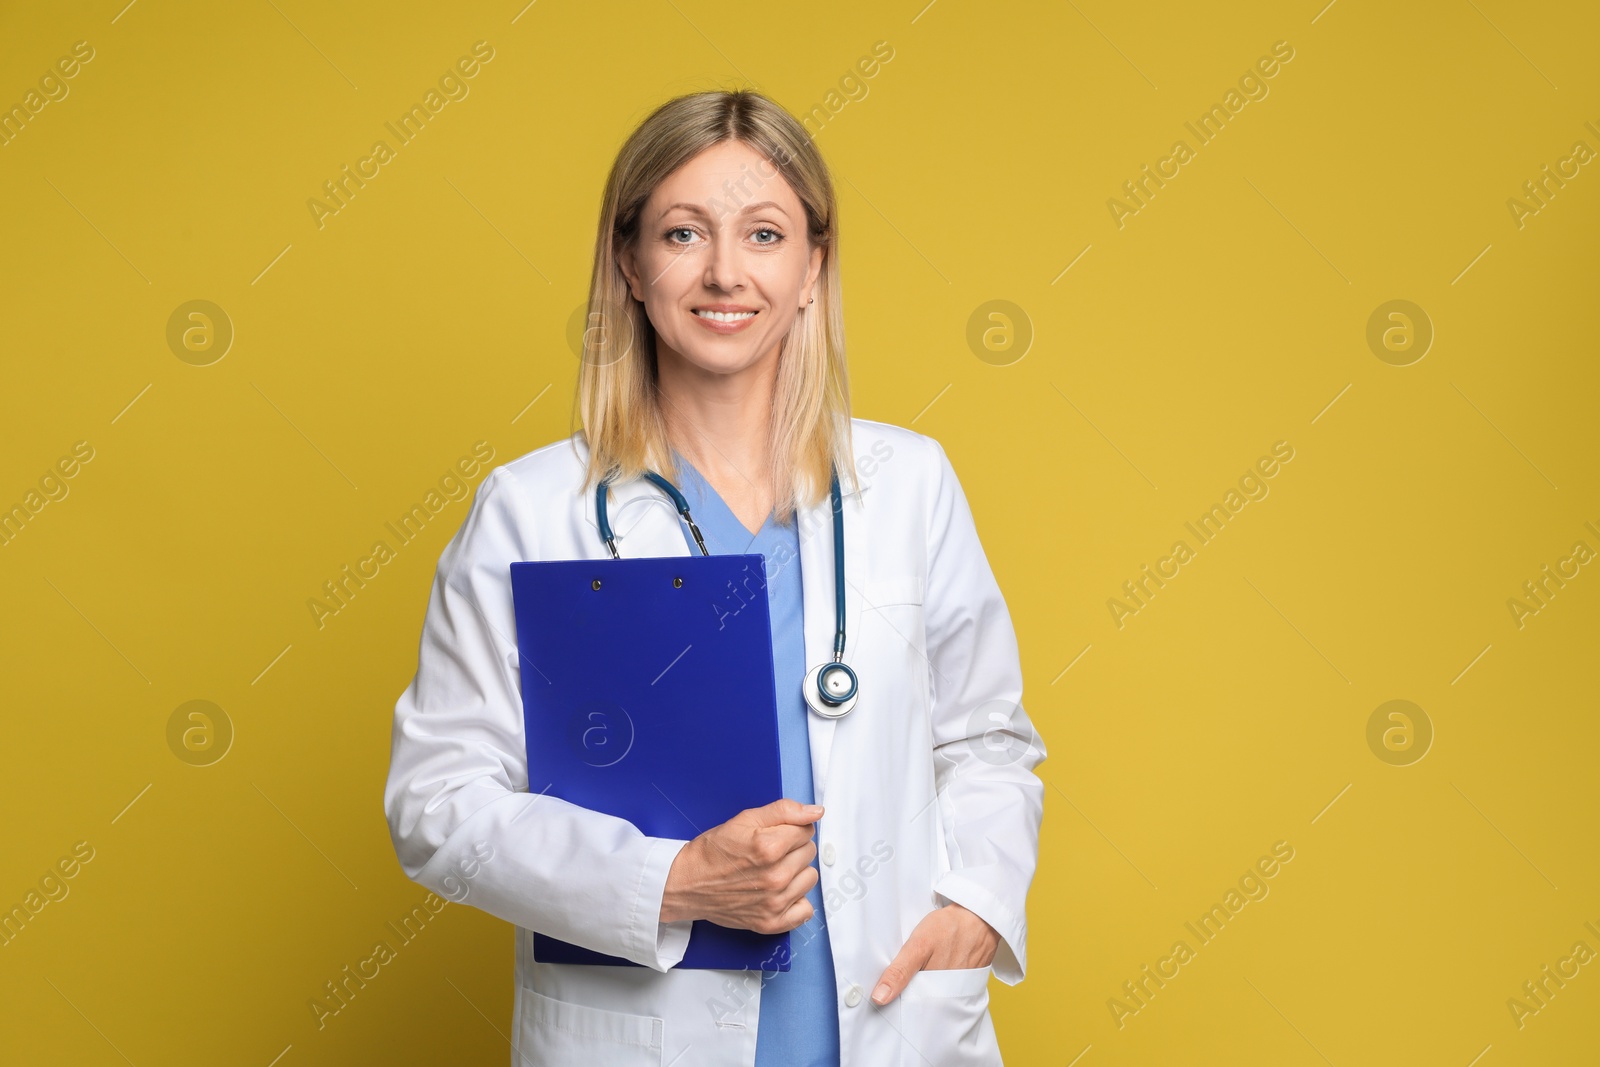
[725, 316]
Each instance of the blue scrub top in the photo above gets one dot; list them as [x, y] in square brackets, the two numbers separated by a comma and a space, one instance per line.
[799, 1021]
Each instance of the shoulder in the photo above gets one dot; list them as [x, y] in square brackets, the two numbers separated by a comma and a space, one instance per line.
[867, 432]
[503, 522]
[881, 442]
[900, 460]
[549, 468]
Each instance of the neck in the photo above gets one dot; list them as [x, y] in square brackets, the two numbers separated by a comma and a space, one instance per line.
[719, 422]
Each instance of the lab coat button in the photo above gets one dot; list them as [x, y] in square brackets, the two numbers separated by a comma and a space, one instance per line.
[852, 997]
[827, 853]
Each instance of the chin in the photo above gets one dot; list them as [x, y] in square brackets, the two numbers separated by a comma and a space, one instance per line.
[721, 363]
[722, 358]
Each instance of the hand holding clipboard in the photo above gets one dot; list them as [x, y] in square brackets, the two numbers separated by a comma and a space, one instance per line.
[752, 872]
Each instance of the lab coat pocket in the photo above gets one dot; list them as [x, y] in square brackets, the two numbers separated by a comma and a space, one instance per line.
[892, 618]
[881, 592]
[946, 1019]
[555, 1033]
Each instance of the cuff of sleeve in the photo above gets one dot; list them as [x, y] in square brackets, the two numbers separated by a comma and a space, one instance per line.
[660, 946]
[1011, 957]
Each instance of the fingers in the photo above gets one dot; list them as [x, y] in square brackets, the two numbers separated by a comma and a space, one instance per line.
[765, 852]
[911, 958]
[799, 914]
[786, 884]
[769, 843]
[805, 877]
[799, 910]
[956, 936]
[778, 844]
[763, 867]
[792, 877]
[781, 904]
[784, 810]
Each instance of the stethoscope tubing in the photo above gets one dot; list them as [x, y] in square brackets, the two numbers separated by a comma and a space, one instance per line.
[819, 679]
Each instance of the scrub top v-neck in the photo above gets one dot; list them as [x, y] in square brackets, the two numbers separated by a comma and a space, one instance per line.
[799, 1018]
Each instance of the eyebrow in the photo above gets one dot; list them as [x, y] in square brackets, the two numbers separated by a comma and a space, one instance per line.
[699, 210]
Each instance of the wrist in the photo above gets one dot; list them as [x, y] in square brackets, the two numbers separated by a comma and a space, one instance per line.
[676, 904]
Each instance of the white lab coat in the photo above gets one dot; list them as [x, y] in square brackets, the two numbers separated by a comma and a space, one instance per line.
[929, 784]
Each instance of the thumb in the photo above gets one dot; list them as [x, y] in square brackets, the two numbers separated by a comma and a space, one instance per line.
[786, 811]
[908, 962]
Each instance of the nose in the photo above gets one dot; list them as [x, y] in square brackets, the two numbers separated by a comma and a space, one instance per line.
[724, 266]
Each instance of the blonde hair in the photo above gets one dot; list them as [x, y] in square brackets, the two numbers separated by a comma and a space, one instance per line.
[617, 395]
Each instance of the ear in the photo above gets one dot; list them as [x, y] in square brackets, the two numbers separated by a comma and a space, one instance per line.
[630, 271]
[808, 290]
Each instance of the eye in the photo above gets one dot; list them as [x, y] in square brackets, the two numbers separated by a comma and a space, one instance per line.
[776, 236]
[671, 235]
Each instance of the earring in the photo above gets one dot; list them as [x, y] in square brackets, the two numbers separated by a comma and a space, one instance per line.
[813, 300]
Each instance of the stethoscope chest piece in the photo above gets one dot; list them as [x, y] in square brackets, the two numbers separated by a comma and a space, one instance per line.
[830, 689]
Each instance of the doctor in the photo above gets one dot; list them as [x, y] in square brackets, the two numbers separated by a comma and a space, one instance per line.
[901, 855]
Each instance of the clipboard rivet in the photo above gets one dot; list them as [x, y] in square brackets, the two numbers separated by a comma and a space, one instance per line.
[597, 583]
[677, 583]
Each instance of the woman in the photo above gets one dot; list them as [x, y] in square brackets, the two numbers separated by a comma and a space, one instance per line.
[716, 358]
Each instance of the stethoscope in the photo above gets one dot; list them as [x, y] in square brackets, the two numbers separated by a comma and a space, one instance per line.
[829, 688]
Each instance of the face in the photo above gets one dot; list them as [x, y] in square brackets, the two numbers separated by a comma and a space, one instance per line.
[722, 261]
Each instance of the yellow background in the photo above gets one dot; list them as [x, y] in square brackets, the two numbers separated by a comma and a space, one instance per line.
[1229, 313]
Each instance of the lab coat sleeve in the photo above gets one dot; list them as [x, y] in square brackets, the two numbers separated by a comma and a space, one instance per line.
[460, 814]
[985, 749]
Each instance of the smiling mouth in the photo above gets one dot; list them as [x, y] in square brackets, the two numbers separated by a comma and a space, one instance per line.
[726, 316]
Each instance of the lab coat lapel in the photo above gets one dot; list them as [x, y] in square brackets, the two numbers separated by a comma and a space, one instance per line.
[817, 593]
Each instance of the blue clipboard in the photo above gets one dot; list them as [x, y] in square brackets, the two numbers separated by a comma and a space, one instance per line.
[648, 693]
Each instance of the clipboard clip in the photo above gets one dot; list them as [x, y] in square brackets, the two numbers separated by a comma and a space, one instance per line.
[678, 499]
